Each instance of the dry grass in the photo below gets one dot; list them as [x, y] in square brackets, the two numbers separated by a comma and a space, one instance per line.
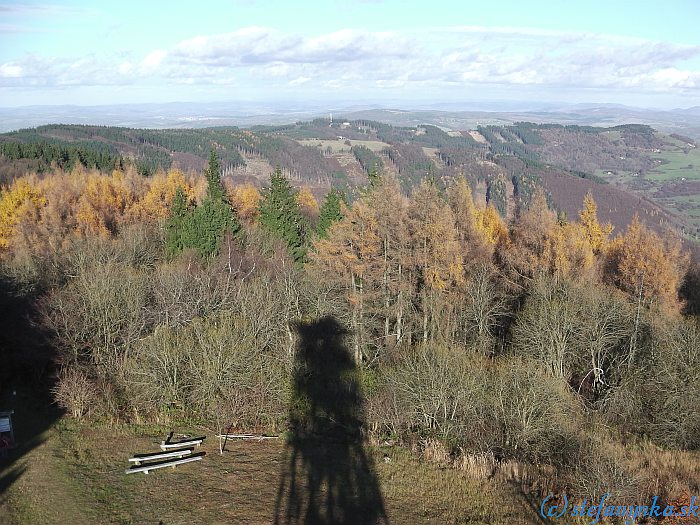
[239, 487]
[77, 476]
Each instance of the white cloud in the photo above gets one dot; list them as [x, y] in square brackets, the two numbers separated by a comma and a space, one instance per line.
[436, 58]
[125, 68]
[153, 59]
[299, 81]
[672, 77]
[10, 71]
[259, 45]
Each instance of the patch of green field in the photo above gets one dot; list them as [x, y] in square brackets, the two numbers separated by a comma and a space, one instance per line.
[613, 135]
[686, 205]
[675, 142]
[677, 165]
[341, 146]
[617, 177]
[689, 207]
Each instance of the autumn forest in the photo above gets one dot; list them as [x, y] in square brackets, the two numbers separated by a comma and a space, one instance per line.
[549, 342]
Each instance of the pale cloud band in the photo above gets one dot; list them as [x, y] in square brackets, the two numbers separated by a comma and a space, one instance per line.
[442, 58]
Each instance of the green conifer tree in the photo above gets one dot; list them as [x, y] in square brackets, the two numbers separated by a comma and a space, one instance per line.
[215, 188]
[330, 212]
[176, 224]
[280, 214]
[375, 176]
[203, 228]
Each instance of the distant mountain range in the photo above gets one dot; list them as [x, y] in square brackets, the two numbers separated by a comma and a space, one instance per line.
[449, 115]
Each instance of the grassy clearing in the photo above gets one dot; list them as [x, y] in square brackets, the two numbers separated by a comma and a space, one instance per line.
[612, 135]
[340, 146]
[84, 477]
[678, 165]
[685, 205]
[673, 141]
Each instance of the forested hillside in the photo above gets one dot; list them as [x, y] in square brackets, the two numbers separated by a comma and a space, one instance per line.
[628, 169]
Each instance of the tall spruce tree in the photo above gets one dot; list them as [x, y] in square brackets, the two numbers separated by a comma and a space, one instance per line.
[203, 228]
[280, 214]
[176, 224]
[330, 212]
[215, 188]
[375, 176]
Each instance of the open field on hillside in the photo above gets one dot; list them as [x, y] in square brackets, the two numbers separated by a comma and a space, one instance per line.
[685, 205]
[678, 165]
[339, 146]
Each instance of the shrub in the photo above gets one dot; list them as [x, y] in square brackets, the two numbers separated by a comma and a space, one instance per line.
[75, 392]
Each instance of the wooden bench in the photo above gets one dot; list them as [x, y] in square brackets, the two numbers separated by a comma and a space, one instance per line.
[141, 458]
[162, 464]
[168, 445]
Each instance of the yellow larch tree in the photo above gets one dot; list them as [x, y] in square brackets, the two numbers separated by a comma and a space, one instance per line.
[246, 200]
[308, 204]
[436, 248]
[647, 265]
[102, 204]
[161, 188]
[529, 251]
[469, 222]
[368, 251]
[492, 225]
[19, 199]
[571, 251]
[436, 257]
[596, 233]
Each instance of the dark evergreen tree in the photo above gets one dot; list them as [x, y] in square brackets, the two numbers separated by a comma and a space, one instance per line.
[207, 226]
[176, 225]
[204, 228]
[374, 176]
[280, 214]
[330, 212]
[215, 188]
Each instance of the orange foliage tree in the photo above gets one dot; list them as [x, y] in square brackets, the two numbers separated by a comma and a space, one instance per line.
[245, 199]
[646, 265]
[596, 233]
[15, 203]
[475, 243]
[308, 204]
[102, 204]
[157, 200]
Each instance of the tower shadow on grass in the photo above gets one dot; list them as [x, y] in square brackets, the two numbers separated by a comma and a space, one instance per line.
[327, 477]
[26, 366]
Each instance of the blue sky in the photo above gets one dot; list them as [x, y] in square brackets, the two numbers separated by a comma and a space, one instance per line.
[392, 52]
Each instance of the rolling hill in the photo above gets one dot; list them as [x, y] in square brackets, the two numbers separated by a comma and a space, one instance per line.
[628, 168]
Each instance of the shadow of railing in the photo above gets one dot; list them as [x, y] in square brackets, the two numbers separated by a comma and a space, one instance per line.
[327, 476]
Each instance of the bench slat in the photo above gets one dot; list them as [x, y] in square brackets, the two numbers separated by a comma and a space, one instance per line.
[146, 468]
[160, 455]
[181, 444]
[245, 436]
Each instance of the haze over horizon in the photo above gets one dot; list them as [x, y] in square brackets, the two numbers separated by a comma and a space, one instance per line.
[383, 52]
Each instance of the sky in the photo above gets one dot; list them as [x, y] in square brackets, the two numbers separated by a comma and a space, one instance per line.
[398, 53]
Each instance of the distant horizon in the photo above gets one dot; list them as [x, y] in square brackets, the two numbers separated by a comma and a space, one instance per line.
[446, 114]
